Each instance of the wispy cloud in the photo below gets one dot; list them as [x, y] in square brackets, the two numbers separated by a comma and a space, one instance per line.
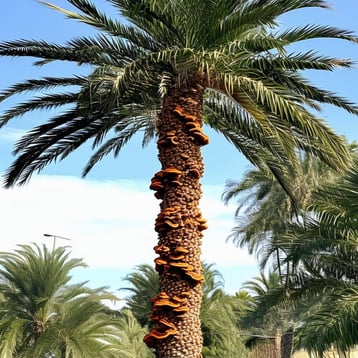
[11, 134]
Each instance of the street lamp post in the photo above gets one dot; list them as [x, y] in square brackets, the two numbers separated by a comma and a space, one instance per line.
[54, 239]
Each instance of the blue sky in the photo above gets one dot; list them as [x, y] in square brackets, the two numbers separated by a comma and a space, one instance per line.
[109, 216]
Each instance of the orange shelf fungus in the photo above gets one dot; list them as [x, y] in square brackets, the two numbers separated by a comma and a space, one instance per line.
[164, 302]
[201, 223]
[172, 175]
[189, 268]
[161, 295]
[184, 155]
[192, 126]
[162, 142]
[202, 138]
[154, 335]
[176, 257]
[177, 182]
[161, 249]
[169, 139]
[156, 185]
[181, 309]
[181, 265]
[171, 224]
[181, 249]
[153, 318]
[160, 264]
[160, 261]
[195, 276]
[179, 299]
[185, 294]
[195, 173]
[184, 115]
[172, 170]
[164, 322]
[173, 140]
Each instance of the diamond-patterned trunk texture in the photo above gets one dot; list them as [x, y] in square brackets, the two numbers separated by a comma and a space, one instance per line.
[175, 313]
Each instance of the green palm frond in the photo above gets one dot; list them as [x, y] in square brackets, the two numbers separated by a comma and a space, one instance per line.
[237, 49]
[40, 313]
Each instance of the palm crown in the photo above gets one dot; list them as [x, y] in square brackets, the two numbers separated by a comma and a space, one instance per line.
[255, 94]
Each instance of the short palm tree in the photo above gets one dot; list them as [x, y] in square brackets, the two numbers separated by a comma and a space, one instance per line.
[268, 323]
[41, 314]
[157, 69]
[130, 338]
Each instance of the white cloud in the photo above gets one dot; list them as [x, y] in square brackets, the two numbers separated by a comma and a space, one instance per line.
[11, 134]
[110, 224]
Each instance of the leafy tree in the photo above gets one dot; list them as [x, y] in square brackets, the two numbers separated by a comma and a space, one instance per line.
[156, 70]
[42, 315]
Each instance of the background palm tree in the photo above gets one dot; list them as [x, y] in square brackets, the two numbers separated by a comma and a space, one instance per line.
[226, 57]
[41, 314]
[325, 288]
[265, 209]
[320, 294]
[271, 325]
[130, 338]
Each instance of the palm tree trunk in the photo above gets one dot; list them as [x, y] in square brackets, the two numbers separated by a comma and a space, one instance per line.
[176, 309]
[287, 344]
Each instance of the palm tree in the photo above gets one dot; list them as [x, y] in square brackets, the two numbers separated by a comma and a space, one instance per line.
[266, 214]
[156, 70]
[325, 249]
[220, 314]
[143, 285]
[265, 209]
[269, 323]
[322, 291]
[41, 314]
[131, 337]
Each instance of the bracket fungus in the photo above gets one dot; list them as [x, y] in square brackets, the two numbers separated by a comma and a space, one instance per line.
[165, 302]
[181, 265]
[195, 276]
[181, 249]
[186, 116]
[160, 295]
[182, 309]
[160, 261]
[176, 257]
[161, 249]
[169, 139]
[154, 335]
[167, 324]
